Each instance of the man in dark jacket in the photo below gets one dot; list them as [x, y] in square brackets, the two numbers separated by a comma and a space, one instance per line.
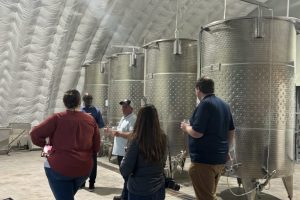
[211, 134]
[95, 112]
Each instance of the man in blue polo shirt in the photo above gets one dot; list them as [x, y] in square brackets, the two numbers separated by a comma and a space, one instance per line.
[95, 112]
[211, 134]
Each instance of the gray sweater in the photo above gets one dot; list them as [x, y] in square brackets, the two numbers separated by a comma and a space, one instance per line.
[144, 177]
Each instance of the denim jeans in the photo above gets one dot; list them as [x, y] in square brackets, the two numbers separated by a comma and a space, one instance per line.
[159, 195]
[63, 187]
[124, 194]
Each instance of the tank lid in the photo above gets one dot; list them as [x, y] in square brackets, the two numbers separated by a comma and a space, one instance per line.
[110, 57]
[127, 53]
[166, 40]
[115, 55]
[293, 20]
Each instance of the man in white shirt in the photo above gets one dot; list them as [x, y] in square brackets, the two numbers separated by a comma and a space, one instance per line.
[121, 135]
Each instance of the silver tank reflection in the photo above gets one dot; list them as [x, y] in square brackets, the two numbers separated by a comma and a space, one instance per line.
[252, 63]
[170, 74]
[126, 82]
[96, 83]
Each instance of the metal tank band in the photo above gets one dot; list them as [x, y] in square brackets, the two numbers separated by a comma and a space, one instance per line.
[254, 73]
[169, 85]
[126, 81]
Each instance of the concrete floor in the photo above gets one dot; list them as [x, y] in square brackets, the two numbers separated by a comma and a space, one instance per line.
[22, 178]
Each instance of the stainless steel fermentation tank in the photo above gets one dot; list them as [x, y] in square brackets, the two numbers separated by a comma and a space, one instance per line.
[252, 62]
[96, 83]
[126, 82]
[170, 75]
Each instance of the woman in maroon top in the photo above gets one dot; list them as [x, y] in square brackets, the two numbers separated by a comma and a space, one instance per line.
[74, 137]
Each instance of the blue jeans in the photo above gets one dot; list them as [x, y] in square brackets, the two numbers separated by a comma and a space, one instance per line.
[159, 195]
[124, 194]
[63, 187]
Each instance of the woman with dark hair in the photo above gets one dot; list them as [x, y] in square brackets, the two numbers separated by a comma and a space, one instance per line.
[74, 138]
[144, 161]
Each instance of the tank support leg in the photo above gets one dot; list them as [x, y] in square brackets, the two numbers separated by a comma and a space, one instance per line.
[249, 185]
[288, 184]
[239, 181]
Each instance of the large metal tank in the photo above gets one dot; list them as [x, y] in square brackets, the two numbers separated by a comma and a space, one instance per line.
[171, 72]
[4, 139]
[126, 82]
[96, 83]
[252, 62]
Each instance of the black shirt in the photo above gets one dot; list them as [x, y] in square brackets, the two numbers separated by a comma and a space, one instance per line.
[213, 118]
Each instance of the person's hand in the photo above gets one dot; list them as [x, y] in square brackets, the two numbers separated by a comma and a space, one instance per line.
[106, 131]
[183, 126]
[115, 133]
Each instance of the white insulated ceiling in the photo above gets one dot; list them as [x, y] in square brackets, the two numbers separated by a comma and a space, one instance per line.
[44, 43]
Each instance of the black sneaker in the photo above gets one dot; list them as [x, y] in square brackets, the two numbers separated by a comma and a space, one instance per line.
[117, 198]
[91, 187]
[82, 186]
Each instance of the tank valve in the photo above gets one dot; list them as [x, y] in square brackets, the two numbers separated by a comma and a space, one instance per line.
[261, 186]
[177, 47]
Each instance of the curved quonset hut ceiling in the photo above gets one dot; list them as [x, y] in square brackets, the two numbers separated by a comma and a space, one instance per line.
[44, 43]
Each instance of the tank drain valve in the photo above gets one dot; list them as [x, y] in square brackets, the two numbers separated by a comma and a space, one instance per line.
[261, 186]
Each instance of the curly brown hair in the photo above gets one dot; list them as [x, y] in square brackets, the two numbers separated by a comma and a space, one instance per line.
[71, 99]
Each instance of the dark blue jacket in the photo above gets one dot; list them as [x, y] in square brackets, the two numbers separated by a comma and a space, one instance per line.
[144, 177]
[95, 112]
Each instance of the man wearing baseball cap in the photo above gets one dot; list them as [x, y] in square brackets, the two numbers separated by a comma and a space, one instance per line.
[121, 135]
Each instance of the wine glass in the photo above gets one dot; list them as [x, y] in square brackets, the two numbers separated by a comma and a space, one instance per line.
[187, 121]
